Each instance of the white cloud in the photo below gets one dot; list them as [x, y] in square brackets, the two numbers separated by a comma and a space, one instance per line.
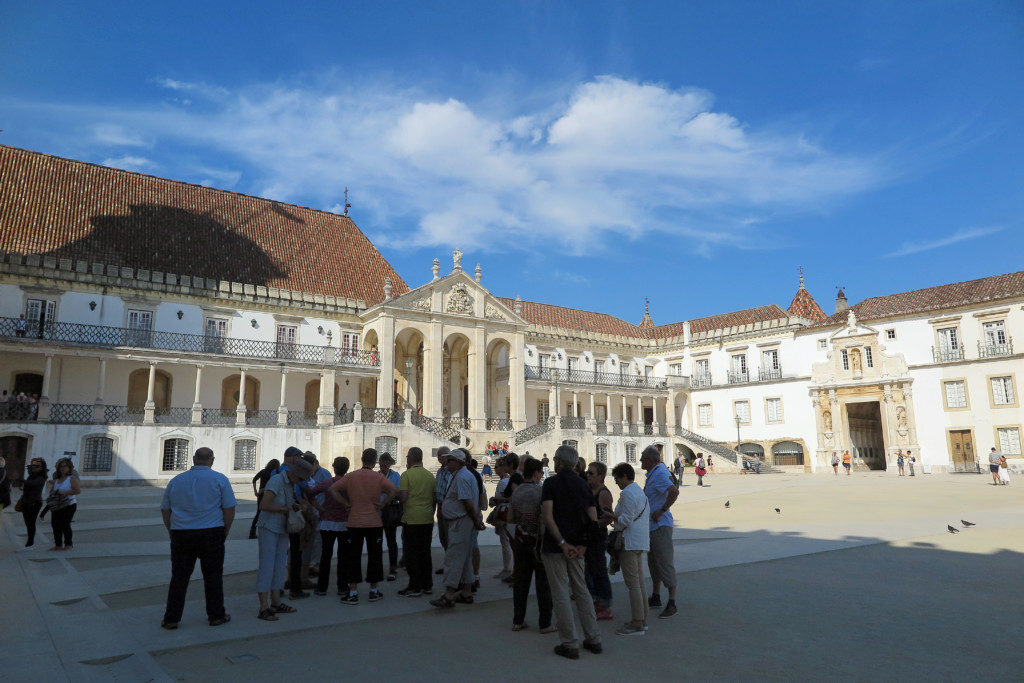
[959, 236]
[130, 163]
[614, 158]
[115, 134]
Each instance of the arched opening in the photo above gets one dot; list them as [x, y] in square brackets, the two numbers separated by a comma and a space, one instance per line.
[229, 392]
[685, 451]
[409, 369]
[14, 450]
[312, 395]
[787, 453]
[751, 449]
[455, 382]
[368, 385]
[138, 389]
[498, 394]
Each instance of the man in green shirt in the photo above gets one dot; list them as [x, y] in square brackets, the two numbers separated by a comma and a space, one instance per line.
[416, 491]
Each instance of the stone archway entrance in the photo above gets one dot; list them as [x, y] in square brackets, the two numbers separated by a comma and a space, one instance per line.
[867, 438]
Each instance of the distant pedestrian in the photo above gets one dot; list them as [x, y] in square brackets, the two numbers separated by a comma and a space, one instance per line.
[333, 529]
[994, 459]
[910, 462]
[631, 517]
[569, 514]
[61, 499]
[259, 483]
[596, 558]
[416, 491]
[32, 497]
[198, 508]
[677, 469]
[835, 463]
[899, 462]
[661, 558]
[700, 469]
[847, 462]
[1004, 472]
[20, 326]
[366, 492]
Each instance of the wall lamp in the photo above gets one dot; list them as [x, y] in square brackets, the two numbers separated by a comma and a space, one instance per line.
[181, 314]
[92, 305]
[253, 322]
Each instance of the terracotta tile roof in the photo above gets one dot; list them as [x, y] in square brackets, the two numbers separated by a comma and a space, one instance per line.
[805, 306]
[575, 319]
[72, 209]
[748, 316]
[992, 288]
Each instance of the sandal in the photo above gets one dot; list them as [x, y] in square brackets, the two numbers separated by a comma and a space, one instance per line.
[443, 601]
[267, 614]
[282, 608]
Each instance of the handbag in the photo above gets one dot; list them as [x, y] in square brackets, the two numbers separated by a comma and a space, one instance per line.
[617, 539]
[296, 522]
[57, 501]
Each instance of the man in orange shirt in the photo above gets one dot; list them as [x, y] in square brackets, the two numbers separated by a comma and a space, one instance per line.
[846, 462]
[364, 492]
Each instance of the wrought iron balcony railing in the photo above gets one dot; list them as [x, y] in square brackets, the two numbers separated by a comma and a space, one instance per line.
[455, 422]
[123, 414]
[533, 431]
[437, 428]
[302, 418]
[499, 424]
[769, 374]
[944, 355]
[218, 416]
[71, 413]
[701, 381]
[261, 418]
[738, 377]
[75, 334]
[995, 350]
[590, 377]
[573, 423]
[602, 428]
[175, 416]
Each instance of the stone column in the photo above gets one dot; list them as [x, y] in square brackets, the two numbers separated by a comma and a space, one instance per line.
[325, 413]
[150, 408]
[43, 407]
[517, 382]
[575, 404]
[98, 408]
[625, 422]
[386, 351]
[240, 409]
[197, 406]
[592, 418]
[553, 400]
[477, 378]
[433, 372]
[282, 404]
[654, 414]
[670, 412]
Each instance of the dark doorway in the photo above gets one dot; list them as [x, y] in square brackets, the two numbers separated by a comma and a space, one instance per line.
[648, 415]
[29, 382]
[13, 450]
[865, 420]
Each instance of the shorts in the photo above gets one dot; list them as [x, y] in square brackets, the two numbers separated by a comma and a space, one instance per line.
[846, 465]
[994, 469]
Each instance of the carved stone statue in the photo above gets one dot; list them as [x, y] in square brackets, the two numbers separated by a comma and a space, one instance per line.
[855, 360]
[436, 268]
[459, 300]
[387, 288]
[826, 418]
[901, 418]
[457, 259]
[478, 273]
[518, 306]
[851, 319]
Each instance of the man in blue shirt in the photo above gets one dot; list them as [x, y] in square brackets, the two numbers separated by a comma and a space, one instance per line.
[198, 509]
[661, 494]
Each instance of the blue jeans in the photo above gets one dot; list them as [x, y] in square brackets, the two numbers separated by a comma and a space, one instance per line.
[596, 575]
[273, 560]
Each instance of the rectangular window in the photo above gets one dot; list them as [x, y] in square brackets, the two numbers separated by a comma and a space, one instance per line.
[676, 369]
[774, 409]
[743, 411]
[822, 344]
[216, 327]
[948, 339]
[770, 359]
[286, 341]
[648, 371]
[543, 411]
[739, 363]
[140, 325]
[890, 334]
[40, 310]
[245, 454]
[1009, 440]
[350, 343]
[599, 366]
[702, 367]
[846, 359]
[574, 363]
[601, 450]
[99, 455]
[995, 333]
[704, 415]
[545, 360]
[868, 360]
[175, 455]
[631, 452]
[1002, 391]
[956, 394]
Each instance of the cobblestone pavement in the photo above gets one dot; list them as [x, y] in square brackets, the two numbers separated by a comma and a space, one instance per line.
[856, 578]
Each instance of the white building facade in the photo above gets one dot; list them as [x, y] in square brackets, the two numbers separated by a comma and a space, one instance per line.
[118, 349]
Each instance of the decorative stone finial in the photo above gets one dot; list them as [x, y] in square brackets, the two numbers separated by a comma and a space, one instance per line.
[478, 273]
[456, 259]
[851, 319]
[387, 288]
[801, 269]
[436, 268]
[518, 308]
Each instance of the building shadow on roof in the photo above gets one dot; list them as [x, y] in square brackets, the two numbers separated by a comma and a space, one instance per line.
[169, 239]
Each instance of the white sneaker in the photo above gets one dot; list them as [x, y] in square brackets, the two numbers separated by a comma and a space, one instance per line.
[26, 548]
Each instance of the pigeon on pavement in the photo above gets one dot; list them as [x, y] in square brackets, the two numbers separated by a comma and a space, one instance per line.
[726, 503]
[778, 510]
[952, 529]
[967, 524]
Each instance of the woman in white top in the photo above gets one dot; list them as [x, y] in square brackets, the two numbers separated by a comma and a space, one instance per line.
[65, 482]
[631, 516]
[1004, 471]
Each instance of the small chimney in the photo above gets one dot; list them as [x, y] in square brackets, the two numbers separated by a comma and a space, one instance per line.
[841, 303]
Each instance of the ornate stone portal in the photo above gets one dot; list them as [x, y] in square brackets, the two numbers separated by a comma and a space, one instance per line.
[857, 376]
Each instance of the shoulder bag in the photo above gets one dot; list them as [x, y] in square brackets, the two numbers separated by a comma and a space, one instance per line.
[296, 522]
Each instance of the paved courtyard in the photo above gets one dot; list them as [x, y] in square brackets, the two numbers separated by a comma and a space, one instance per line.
[857, 578]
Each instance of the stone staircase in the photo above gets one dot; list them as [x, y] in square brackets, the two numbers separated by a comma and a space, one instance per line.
[703, 444]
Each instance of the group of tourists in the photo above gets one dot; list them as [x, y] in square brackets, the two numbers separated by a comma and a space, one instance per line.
[20, 406]
[556, 534]
[42, 495]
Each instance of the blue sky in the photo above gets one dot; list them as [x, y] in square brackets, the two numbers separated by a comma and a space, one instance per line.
[587, 154]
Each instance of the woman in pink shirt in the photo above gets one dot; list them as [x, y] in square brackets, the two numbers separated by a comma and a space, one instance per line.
[364, 492]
